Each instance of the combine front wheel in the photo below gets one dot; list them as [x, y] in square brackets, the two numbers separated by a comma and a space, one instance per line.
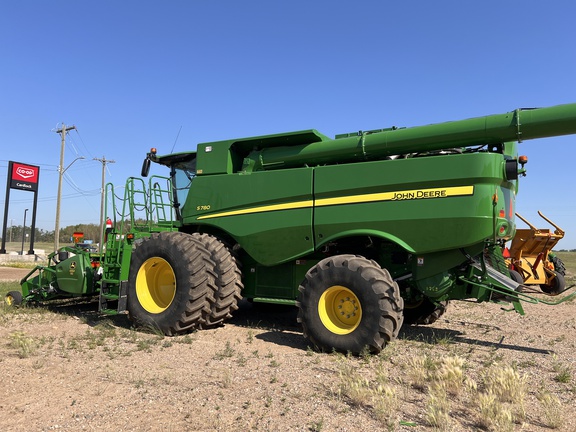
[228, 280]
[348, 303]
[171, 283]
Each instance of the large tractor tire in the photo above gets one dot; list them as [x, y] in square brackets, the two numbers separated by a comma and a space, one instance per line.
[228, 280]
[348, 303]
[172, 283]
[557, 286]
[424, 312]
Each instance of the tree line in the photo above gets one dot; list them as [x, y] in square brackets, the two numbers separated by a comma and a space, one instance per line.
[91, 232]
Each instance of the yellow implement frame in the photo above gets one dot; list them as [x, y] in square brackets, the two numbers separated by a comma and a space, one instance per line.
[529, 254]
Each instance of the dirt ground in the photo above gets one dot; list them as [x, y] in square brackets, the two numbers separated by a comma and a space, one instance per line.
[65, 367]
[12, 274]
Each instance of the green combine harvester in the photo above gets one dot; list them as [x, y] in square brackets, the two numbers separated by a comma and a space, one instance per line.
[363, 233]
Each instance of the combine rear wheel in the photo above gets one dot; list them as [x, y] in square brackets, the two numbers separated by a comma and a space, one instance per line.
[228, 280]
[348, 303]
[424, 312]
[172, 283]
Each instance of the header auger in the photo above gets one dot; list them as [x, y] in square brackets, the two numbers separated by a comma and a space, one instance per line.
[363, 233]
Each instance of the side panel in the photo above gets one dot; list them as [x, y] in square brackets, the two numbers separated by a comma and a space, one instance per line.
[268, 213]
[277, 282]
[72, 276]
[425, 204]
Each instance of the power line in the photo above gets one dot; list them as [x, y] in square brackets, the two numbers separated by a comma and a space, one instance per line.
[104, 161]
[62, 131]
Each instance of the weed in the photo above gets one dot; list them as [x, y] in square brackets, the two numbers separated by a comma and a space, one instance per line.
[146, 344]
[227, 352]
[385, 404]
[552, 409]
[227, 379]
[505, 383]
[444, 340]
[186, 339]
[250, 336]
[494, 414]
[24, 344]
[316, 426]
[365, 354]
[353, 386]
[438, 407]
[241, 361]
[563, 372]
[451, 374]
[420, 371]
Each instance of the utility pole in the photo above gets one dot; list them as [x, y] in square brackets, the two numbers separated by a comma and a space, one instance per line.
[62, 131]
[103, 161]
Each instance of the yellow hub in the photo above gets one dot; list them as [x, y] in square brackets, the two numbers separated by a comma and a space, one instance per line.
[9, 300]
[340, 310]
[155, 285]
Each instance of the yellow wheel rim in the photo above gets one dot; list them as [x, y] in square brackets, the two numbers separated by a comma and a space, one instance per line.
[155, 285]
[340, 310]
[9, 300]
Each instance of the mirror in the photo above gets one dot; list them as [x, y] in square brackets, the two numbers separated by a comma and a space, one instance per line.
[145, 168]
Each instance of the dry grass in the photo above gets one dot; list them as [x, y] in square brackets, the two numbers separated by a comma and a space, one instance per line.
[476, 369]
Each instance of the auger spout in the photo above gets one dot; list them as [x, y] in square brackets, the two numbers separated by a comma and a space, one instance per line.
[518, 125]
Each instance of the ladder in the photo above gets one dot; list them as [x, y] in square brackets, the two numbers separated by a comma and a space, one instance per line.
[141, 211]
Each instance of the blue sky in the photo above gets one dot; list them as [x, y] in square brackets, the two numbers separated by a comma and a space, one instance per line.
[131, 75]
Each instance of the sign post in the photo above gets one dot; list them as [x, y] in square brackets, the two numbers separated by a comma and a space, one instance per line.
[23, 177]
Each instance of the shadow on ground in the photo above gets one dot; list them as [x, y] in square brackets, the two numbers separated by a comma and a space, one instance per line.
[280, 326]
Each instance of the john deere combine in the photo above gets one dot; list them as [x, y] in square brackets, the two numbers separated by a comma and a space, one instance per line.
[362, 233]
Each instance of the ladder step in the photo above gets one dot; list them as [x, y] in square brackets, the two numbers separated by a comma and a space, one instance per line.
[109, 311]
[111, 281]
[120, 298]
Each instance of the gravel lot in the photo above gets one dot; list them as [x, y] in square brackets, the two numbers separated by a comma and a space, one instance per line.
[67, 368]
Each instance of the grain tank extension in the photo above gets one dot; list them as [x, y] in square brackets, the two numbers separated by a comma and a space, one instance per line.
[363, 233]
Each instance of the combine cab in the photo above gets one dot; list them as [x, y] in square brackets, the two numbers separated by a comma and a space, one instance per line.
[531, 256]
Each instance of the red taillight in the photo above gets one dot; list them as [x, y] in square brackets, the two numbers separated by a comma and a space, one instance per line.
[502, 213]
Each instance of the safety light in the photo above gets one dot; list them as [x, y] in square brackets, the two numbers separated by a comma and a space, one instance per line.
[523, 160]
